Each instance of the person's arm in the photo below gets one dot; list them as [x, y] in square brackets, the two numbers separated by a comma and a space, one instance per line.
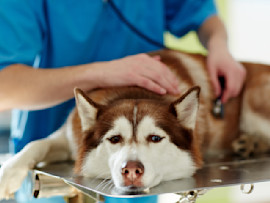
[213, 36]
[24, 87]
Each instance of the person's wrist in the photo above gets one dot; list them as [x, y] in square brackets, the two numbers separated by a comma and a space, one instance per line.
[217, 44]
[90, 76]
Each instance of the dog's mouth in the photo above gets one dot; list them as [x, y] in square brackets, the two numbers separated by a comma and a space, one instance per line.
[131, 190]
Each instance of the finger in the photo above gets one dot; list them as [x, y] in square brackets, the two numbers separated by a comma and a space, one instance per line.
[225, 96]
[158, 72]
[228, 91]
[214, 80]
[173, 80]
[162, 75]
[233, 87]
[149, 84]
[157, 57]
[237, 89]
[162, 79]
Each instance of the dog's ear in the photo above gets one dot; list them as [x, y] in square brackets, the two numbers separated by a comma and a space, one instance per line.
[87, 109]
[185, 108]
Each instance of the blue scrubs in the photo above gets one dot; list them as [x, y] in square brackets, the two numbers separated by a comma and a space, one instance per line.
[54, 34]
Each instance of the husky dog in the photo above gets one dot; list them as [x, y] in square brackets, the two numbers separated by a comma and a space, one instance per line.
[139, 138]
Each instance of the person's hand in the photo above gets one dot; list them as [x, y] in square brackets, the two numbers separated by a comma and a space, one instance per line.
[213, 36]
[138, 70]
[221, 63]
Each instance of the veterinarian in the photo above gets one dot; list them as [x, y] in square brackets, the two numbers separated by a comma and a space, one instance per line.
[49, 47]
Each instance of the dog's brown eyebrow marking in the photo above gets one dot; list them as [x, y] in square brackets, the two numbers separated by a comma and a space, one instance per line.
[135, 111]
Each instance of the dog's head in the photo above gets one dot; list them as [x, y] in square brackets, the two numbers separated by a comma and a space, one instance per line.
[138, 143]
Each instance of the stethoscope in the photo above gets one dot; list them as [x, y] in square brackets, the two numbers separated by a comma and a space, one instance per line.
[218, 107]
[133, 28]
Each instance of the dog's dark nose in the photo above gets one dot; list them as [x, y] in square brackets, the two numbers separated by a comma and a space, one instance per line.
[132, 172]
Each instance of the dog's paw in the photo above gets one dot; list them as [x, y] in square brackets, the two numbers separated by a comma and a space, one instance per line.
[11, 178]
[250, 145]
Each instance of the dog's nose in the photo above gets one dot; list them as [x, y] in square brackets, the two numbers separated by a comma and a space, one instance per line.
[132, 172]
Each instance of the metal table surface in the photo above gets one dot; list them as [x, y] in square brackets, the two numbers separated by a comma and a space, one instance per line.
[226, 172]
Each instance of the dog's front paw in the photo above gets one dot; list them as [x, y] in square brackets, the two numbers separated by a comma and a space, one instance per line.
[11, 178]
[250, 145]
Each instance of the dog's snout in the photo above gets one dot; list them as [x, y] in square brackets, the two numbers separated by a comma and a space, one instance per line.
[132, 169]
[132, 172]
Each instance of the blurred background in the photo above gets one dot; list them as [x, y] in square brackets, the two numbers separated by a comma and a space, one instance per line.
[248, 25]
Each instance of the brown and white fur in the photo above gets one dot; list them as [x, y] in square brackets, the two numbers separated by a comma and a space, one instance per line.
[138, 138]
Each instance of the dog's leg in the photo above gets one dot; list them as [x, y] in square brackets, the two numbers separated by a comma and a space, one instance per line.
[249, 145]
[255, 117]
[14, 170]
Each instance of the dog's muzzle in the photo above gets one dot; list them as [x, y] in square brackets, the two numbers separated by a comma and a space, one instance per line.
[132, 173]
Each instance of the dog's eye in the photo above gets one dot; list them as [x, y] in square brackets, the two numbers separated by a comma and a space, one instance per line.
[115, 139]
[154, 138]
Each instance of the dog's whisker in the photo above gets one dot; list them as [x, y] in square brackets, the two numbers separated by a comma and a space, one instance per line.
[100, 176]
[111, 185]
[107, 184]
[102, 183]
